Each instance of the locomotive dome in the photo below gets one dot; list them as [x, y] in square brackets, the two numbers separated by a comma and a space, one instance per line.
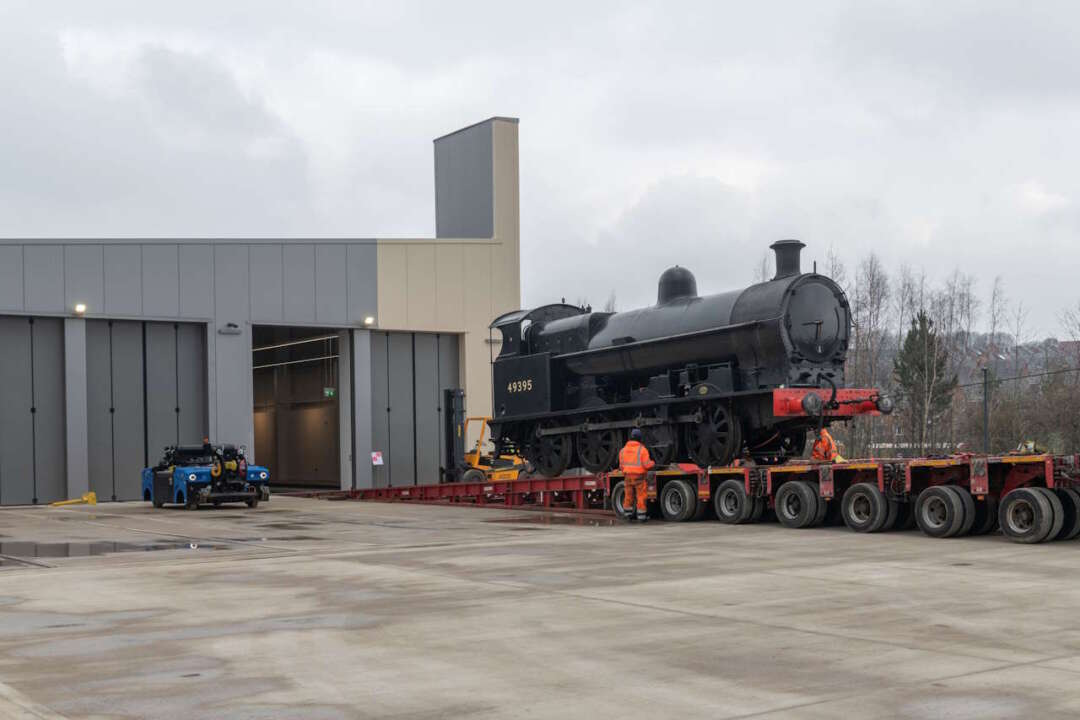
[675, 282]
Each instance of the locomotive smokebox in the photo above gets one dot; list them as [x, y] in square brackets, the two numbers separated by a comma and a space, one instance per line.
[675, 282]
[787, 257]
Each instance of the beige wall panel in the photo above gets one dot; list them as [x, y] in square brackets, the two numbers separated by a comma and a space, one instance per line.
[393, 285]
[450, 279]
[423, 295]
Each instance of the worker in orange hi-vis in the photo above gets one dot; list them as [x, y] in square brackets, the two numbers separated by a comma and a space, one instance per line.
[824, 448]
[635, 463]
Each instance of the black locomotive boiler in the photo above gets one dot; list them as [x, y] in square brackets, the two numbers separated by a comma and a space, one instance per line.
[706, 378]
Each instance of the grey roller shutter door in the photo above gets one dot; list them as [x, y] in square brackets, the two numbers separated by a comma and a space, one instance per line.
[402, 419]
[99, 421]
[380, 408]
[16, 399]
[427, 404]
[449, 378]
[128, 422]
[191, 384]
[50, 431]
[161, 420]
[114, 408]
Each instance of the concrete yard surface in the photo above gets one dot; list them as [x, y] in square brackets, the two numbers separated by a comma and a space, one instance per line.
[308, 608]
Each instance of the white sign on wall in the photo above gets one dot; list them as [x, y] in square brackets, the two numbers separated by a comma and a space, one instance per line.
[376, 458]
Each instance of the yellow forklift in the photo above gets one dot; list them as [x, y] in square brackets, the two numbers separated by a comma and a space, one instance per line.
[476, 465]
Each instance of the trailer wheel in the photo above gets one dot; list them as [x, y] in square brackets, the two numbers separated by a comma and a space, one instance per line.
[796, 504]
[618, 495]
[939, 512]
[702, 511]
[864, 508]
[757, 509]
[986, 515]
[1070, 503]
[823, 505]
[969, 510]
[1026, 516]
[905, 516]
[730, 502]
[677, 501]
[1059, 512]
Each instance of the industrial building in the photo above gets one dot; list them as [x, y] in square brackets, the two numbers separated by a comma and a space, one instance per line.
[327, 358]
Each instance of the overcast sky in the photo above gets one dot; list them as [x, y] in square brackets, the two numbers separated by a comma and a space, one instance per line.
[938, 134]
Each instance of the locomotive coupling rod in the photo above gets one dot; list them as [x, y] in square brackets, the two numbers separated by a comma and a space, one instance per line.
[588, 427]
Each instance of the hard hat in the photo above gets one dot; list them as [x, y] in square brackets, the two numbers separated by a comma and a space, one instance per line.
[635, 434]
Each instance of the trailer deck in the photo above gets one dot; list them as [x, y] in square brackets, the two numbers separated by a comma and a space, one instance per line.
[1033, 497]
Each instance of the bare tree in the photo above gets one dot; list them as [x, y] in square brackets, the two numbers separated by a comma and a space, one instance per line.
[763, 269]
[609, 305]
[997, 311]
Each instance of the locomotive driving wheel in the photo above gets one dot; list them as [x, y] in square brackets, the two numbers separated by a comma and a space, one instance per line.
[716, 439]
[598, 449]
[662, 442]
[550, 454]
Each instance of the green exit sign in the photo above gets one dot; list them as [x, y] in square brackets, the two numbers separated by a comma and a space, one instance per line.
[329, 392]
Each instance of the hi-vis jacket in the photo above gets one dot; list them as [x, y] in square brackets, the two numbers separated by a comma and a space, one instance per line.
[634, 459]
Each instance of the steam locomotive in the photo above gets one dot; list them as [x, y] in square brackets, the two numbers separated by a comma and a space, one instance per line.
[706, 378]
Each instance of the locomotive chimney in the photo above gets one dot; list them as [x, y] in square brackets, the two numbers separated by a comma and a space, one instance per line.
[787, 257]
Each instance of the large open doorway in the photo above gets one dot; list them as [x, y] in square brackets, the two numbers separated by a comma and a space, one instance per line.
[296, 396]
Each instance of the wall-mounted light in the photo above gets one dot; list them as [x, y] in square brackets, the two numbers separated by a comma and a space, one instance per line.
[369, 320]
[80, 308]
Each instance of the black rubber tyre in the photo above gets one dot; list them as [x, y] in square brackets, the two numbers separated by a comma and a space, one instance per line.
[757, 509]
[159, 503]
[939, 512]
[678, 501]
[890, 516]
[822, 509]
[969, 510]
[1070, 503]
[834, 517]
[905, 516]
[796, 504]
[618, 496]
[986, 515]
[864, 508]
[1026, 516]
[252, 503]
[730, 502]
[473, 475]
[192, 503]
[702, 511]
[1059, 513]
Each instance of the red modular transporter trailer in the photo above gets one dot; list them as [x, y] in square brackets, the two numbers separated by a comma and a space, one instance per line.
[1033, 498]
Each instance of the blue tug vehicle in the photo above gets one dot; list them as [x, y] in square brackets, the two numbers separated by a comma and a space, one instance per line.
[193, 475]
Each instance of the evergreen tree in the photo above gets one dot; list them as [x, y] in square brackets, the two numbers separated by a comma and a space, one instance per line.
[921, 369]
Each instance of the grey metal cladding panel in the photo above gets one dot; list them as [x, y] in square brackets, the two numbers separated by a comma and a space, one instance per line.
[84, 276]
[380, 417]
[464, 173]
[191, 372]
[196, 281]
[299, 282]
[402, 420]
[161, 288]
[160, 387]
[123, 279]
[266, 299]
[427, 408]
[99, 427]
[129, 428]
[363, 268]
[50, 426]
[232, 303]
[331, 284]
[16, 432]
[44, 277]
[11, 277]
[449, 378]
